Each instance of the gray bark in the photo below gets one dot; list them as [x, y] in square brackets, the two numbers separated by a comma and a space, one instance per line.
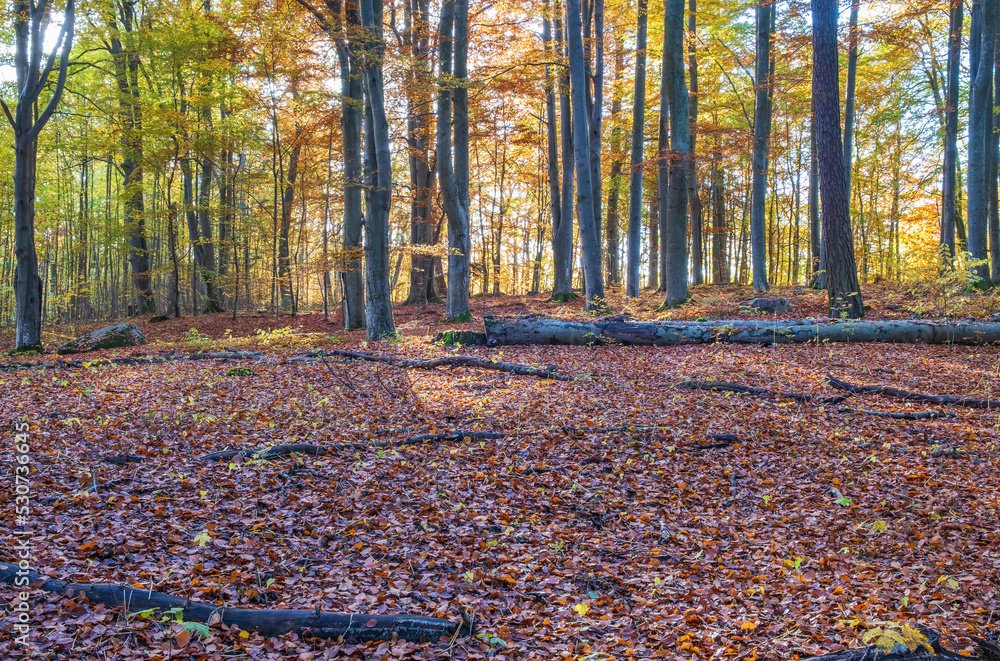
[32, 70]
[675, 209]
[618, 156]
[980, 111]
[948, 185]
[694, 196]
[852, 84]
[638, 133]
[547, 331]
[456, 204]
[552, 143]
[817, 264]
[585, 190]
[287, 202]
[378, 170]
[562, 235]
[761, 143]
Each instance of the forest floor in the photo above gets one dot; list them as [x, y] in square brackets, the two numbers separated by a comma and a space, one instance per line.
[563, 540]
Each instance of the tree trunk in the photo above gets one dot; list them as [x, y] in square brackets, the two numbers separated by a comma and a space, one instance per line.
[549, 331]
[980, 111]
[552, 141]
[993, 158]
[595, 109]
[423, 284]
[676, 208]
[761, 143]
[949, 209]
[842, 274]
[455, 203]
[562, 234]
[594, 284]
[28, 65]
[638, 156]
[287, 202]
[378, 171]
[694, 195]
[720, 258]
[654, 238]
[126, 64]
[352, 101]
[618, 156]
[852, 78]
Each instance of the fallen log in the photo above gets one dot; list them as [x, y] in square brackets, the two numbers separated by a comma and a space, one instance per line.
[616, 331]
[916, 415]
[271, 622]
[548, 372]
[969, 402]
[725, 386]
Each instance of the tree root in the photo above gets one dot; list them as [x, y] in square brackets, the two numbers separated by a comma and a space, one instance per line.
[271, 622]
[548, 372]
[917, 415]
[287, 449]
[969, 402]
[724, 386]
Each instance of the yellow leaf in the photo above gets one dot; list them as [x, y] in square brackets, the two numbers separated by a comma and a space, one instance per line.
[582, 609]
[202, 539]
[244, 634]
[748, 626]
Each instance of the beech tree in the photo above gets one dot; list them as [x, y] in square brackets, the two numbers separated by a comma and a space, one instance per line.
[33, 70]
[843, 291]
[981, 55]
[638, 135]
[674, 205]
[761, 142]
[581, 151]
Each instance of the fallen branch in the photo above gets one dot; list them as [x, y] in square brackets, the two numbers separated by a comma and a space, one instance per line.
[919, 415]
[548, 372]
[724, 386]
[970, 402]
[271, 622]
[287, 449]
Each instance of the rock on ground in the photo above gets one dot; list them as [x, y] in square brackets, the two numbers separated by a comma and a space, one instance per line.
[772, 305]
[109, 337]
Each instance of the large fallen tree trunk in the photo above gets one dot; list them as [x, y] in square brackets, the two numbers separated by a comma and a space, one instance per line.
[969, 402]
[271, 622]
[545, 330]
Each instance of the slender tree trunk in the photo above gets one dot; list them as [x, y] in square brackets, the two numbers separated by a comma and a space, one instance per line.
[842, 274]
[126, 63]
[654, 237]
[993, 159]
[638, 156]
[948, 185]
[287, 202]
[694, 195]
[761, 143]
[594, 284]
[455, 206]
[852, 78]
[595, 110]
[720, 256]
[618, 156]
[423, 284]
[676, 207]
[562, 234]
[980, 117]
[559, 250]
[352, 102]
[460, 261]
[378, 170]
